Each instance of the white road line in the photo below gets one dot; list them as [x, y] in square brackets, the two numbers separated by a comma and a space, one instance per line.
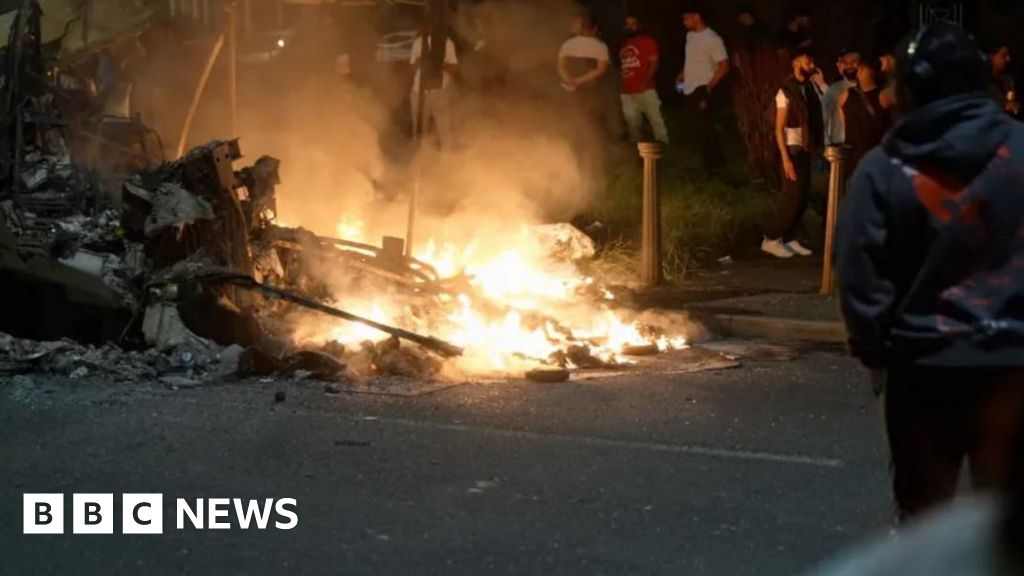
[779, 458]
[689, 449]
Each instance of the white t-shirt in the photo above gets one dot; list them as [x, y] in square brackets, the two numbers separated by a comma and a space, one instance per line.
[449, 58]
[587, 47]
[794, 136]
[704, 50]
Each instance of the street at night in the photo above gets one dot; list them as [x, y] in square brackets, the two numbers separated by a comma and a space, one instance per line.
[524, 287]
[764, 469]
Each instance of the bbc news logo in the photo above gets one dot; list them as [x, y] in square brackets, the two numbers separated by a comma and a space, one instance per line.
[143, 513]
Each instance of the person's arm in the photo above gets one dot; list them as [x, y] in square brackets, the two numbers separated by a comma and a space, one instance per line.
[720, 72]
[781, 113]
[831, 108]
[721, 59]
[598, 71]
[563, 70]
[654, 69]
[592, 76]
[866, 294]
[887, 98]
[840, 115]
[819, 83]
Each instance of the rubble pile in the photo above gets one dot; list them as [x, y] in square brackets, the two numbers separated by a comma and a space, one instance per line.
[195, 263]
[69, 358]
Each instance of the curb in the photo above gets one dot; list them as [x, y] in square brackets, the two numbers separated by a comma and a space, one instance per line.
[771, 327]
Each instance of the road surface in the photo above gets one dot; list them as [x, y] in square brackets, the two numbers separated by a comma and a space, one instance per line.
[764, 469]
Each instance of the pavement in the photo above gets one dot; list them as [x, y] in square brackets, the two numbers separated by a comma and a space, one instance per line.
[760, 298]
[763, 469]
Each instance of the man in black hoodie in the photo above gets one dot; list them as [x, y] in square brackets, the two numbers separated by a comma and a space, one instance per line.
[930, 258]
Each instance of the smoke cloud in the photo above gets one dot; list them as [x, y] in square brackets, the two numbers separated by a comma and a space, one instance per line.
[522, 151]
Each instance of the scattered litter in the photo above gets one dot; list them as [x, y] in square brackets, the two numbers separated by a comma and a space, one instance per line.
[548, 375]
[353, 443]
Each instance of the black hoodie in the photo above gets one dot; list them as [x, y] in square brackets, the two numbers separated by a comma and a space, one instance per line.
[930, 243]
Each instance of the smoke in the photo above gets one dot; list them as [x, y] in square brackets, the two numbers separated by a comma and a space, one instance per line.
[522, 150]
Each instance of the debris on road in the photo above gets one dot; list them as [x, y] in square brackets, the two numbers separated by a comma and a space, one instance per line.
[548, 375]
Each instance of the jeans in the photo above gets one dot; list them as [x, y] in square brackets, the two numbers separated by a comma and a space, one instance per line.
[436, 107]
[636, 106]
[701, 105]
[795, 194]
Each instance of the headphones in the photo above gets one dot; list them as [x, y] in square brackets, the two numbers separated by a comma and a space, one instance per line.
[920, 67]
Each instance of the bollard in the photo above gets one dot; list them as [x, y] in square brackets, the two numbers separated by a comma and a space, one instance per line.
[836, 182]
[650, 251]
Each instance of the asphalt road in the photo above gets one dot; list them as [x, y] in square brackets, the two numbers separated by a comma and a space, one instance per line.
[764, 469]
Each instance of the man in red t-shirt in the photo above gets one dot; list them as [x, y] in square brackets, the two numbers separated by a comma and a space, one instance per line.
[638, 60]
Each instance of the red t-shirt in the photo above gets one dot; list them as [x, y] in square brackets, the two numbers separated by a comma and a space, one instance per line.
[635, 60]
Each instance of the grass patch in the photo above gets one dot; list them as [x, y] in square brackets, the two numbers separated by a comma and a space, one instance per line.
[702, 218]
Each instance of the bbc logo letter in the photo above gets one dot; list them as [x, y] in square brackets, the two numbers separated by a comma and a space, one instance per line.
[92, 514]
[43, 514]
[142, 514]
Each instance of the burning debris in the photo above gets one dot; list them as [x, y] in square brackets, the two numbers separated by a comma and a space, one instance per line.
[193, 262]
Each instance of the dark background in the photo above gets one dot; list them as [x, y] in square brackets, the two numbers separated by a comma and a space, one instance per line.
[866, 24]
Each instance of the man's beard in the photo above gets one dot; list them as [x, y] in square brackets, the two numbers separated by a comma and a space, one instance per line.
[631, 33]
[850, 74]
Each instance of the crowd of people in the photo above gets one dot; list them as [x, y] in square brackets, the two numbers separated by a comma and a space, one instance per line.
[853, 112]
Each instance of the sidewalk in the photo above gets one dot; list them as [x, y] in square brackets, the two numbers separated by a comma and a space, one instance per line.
[762, 298]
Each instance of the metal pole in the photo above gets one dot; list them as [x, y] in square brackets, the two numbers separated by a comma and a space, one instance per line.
[421, 98]
[836, 181]
[650, 252]
[232, 70]
[86, 12]
[197, 95]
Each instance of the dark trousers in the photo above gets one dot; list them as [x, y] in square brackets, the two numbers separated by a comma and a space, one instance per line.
[795, 194]
[701, 105]
[937, 417]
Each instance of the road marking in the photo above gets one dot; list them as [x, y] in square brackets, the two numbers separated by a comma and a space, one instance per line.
[689, 449]
[776, 457]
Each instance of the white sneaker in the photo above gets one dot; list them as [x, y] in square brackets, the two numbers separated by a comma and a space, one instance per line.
[775, 248]
[798, 248]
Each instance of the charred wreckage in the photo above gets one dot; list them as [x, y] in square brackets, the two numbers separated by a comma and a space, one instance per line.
[102, 241]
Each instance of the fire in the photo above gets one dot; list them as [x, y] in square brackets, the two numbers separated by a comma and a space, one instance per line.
[524, 309]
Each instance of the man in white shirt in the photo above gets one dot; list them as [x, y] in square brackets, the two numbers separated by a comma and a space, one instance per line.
[436, 102]
[799, 133]
[582, 65]
[706, 65]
